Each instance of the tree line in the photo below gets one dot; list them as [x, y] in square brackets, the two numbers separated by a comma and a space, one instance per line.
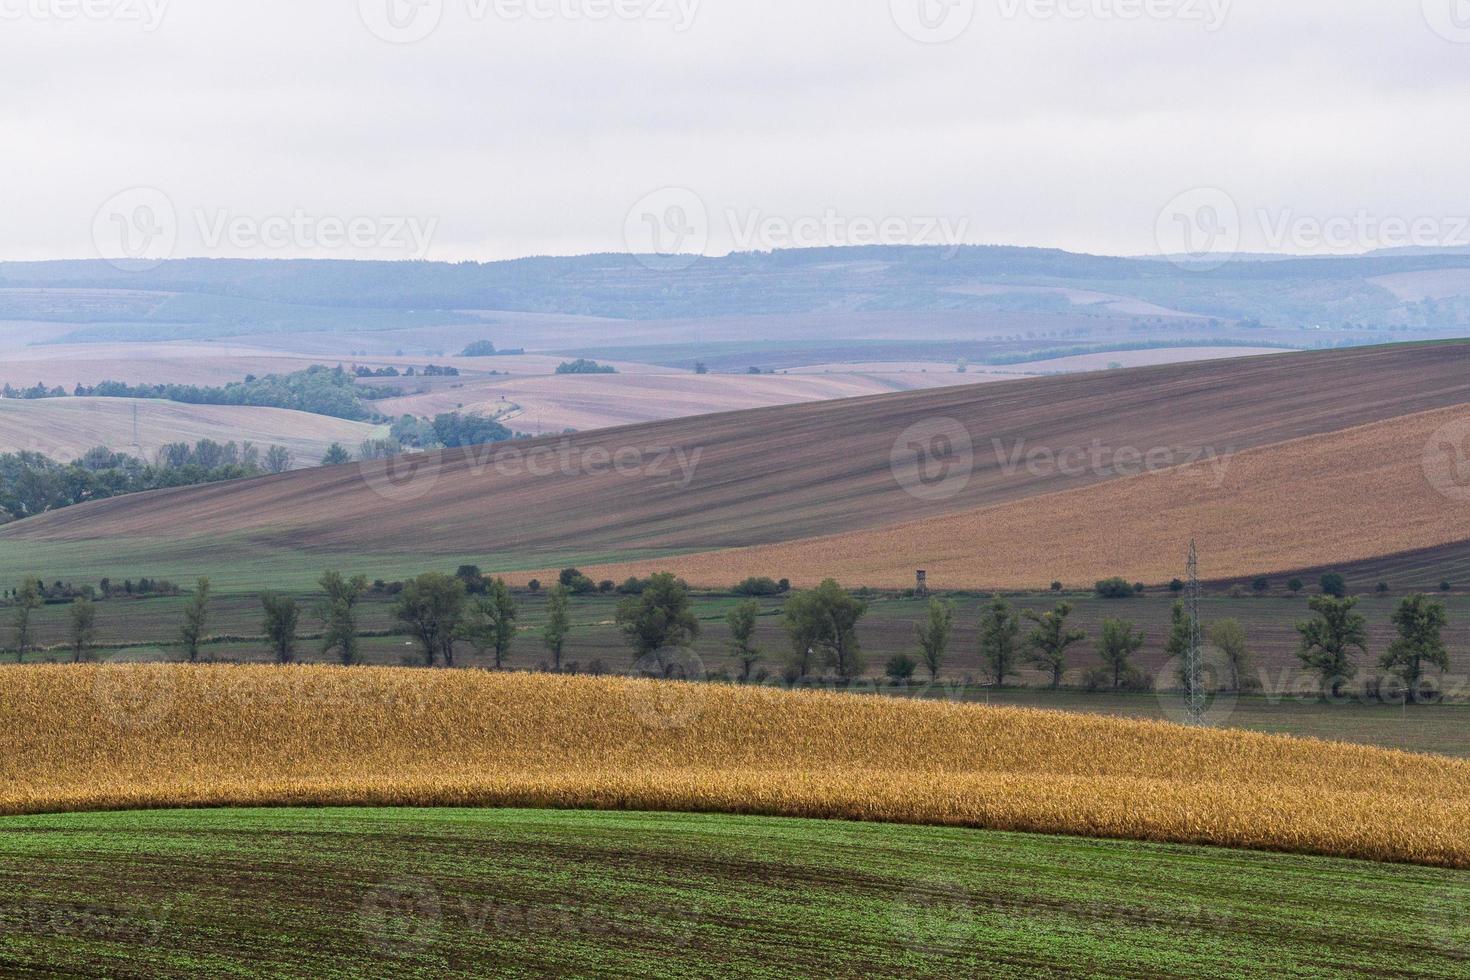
[31, 483]
[657, 620]
[317, 389]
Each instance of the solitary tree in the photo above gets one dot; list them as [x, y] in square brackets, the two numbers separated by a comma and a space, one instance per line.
[935, 634]
[1228, 636]
[1327, 641]
[27, 600]
[1420, 621]
[659, 620]
[824, 620]
[82, 633]
[558, 623]
[1334, 585]
[1050, 640]
[491, 623]
[278, 459]
[1181, 638]
[338, 610]
[281, 616]
[1000, 633]
[336, 455]
[741, 621]
[431, 607]
[1117, 645]
[196, 618]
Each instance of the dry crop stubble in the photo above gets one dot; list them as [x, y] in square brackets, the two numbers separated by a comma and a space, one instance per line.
[261, 736]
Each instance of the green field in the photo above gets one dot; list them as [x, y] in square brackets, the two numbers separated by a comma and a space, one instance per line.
[354, 893]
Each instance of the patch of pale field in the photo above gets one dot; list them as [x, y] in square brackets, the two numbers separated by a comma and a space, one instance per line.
[220, 362]
[148, 736]
[944, 372]
[1138, 358]
[65, 428]
[1412, 287]
[554, 403]
[1337, 498]
[1113, 302]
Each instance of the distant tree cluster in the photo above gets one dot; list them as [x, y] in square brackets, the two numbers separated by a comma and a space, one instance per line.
[453, 430]
[318, 389]
[584, 366]
[31, 483]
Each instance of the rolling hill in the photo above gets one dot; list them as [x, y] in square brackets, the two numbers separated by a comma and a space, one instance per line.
[65, 428]
[746, 478]
[1267, 510]
[349, 893]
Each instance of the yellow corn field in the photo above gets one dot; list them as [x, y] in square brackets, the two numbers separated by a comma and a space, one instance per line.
[154, 735]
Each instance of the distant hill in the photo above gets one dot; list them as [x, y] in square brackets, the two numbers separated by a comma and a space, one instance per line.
[248, 295]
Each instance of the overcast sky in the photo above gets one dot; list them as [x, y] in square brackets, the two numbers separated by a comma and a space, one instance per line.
[485, 129]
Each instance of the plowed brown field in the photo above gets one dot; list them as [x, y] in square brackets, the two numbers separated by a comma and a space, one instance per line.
[780, 474]
[1336, 498]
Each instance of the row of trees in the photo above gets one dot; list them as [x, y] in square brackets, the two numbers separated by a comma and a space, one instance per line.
[441, 611]
[1337, 635]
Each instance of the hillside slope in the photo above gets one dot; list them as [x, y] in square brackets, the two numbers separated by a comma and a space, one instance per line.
[1266, 510]
[65, 428]
[766, 475]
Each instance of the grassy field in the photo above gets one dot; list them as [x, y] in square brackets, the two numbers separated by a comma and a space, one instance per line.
[737, 479]
[373, 893]
[1140, 526]
[147, 736]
